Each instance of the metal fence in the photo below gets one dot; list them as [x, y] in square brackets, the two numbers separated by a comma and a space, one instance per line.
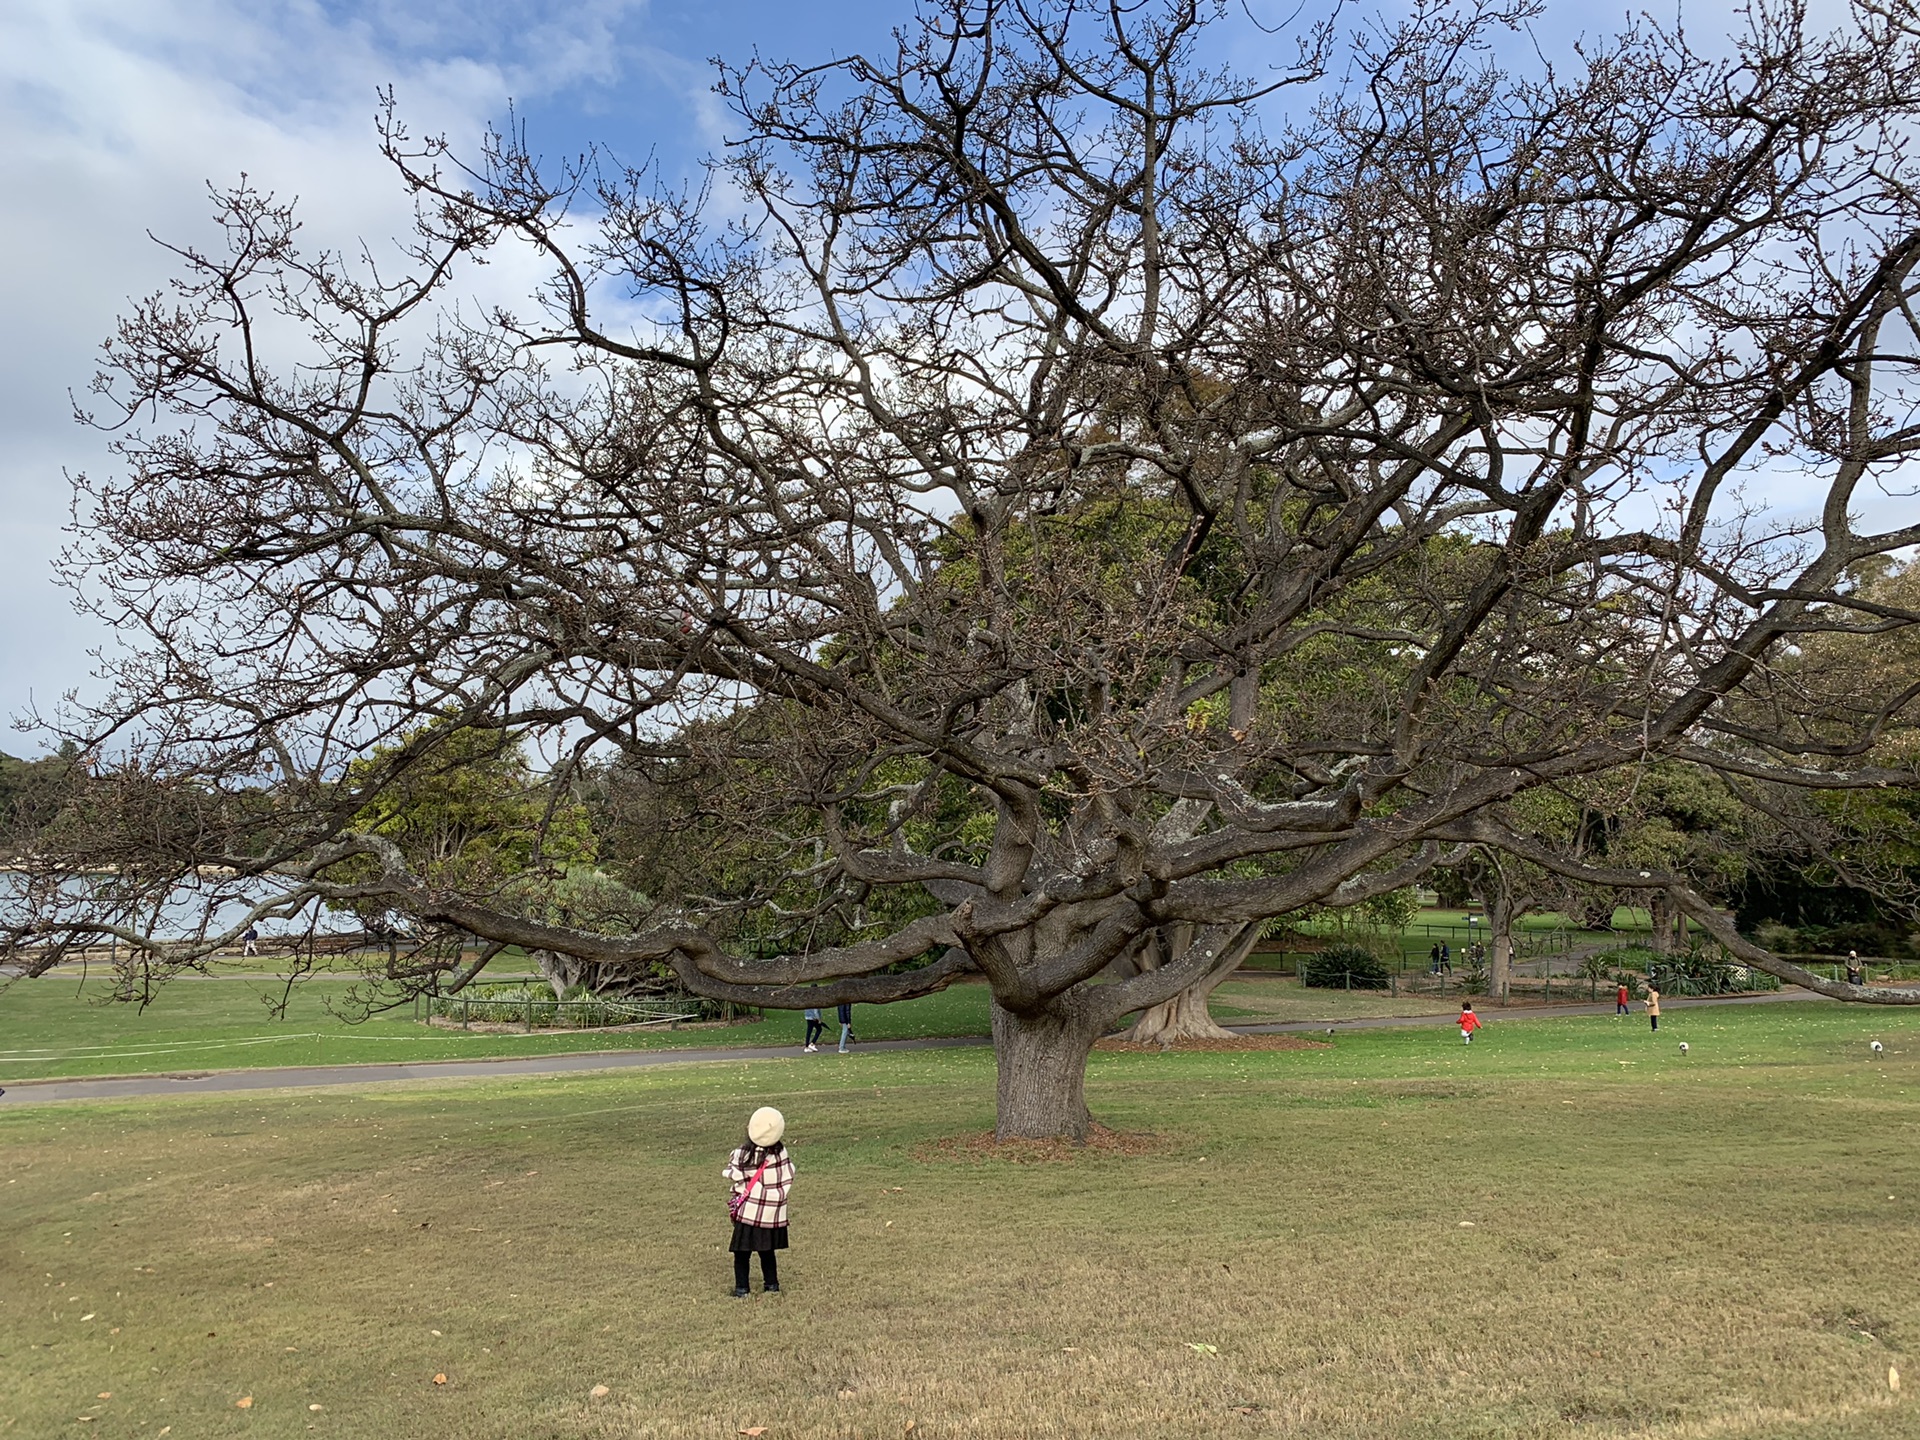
[1537, 977]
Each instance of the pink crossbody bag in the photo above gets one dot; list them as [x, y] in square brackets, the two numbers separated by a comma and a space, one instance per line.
[738, 1202]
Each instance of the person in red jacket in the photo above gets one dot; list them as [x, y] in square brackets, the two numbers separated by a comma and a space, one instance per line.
[1620, 1001]
[1469, 1022]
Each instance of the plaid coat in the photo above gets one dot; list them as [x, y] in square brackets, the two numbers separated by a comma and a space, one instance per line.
[767, 1205]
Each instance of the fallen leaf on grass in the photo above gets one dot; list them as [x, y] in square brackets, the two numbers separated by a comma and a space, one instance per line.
[754, 1430]
[104, 1395]
[440, 1379]
[846, 1395]
[1202, 1348]
[909, 1429]
[164, 1430]
[245, 1402]
[1893, 1378]
[313, 1407]
[433, 1332]
[599, 1392]
[88, 1316]
[1466, 1225]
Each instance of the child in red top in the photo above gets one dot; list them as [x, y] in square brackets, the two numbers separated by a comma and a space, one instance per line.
[1620, 1000]
[1469, 1022]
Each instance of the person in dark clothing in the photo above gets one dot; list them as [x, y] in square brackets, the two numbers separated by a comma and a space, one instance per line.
[762, 1174]
[816, 1027]
[846, 1027]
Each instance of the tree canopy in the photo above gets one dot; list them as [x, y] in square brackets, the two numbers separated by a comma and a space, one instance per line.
[1091, 492]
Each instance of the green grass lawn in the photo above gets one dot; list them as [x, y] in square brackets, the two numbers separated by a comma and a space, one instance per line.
[1263, 1001]
[1569, 1230]
[57, 1026]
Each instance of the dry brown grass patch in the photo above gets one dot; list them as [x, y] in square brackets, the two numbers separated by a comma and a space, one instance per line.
[981, 1145]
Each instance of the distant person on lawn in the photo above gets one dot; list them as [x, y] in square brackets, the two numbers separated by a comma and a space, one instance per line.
[1469, 1022]
[250, 942]
[816, 1027]
[762, 1173]
[846, 1026]
[1620, 1000]
[1653, 1005]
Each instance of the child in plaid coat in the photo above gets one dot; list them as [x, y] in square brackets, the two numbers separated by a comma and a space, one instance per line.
[762, 1174]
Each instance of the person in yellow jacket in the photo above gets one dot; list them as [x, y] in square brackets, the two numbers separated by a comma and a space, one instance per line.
[1653, 1005]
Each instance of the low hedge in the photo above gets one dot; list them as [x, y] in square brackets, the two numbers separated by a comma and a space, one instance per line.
[1346, 967]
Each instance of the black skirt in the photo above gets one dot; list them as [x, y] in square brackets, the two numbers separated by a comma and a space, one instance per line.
[757, 1237]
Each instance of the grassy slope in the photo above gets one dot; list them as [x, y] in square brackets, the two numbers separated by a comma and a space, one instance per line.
[1660, 1248]
[56, 1027]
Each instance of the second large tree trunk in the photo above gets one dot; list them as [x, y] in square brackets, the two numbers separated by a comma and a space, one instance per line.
[1042, 1059]
[1500, 968]
[1186, 1016]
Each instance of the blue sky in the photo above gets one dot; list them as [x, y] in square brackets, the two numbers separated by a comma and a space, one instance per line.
[117, 113]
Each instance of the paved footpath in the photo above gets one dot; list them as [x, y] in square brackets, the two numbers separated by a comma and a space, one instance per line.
[219, 1082]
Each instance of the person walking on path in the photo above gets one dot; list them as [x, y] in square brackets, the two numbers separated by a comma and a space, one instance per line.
[1620, 1001]
[1446, 958]
[762, 1174]
[1855, 973]
[846, 1026]
[1433, 959]
[250, 942]
[1469, 1022]
[816, 1027]
[1653, 1005]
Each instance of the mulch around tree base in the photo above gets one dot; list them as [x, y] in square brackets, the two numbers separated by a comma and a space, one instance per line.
[1236, 1042]
[980, 1146]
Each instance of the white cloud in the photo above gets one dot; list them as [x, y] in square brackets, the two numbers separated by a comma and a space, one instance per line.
[118, 112]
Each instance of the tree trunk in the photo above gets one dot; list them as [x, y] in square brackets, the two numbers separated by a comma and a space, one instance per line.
[1500, 963]
[1660, 914]
[1186, 1016]
[559, 971]
[1042, 1059]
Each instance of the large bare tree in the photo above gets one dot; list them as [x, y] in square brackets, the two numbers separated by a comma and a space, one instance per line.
[1100, 500]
